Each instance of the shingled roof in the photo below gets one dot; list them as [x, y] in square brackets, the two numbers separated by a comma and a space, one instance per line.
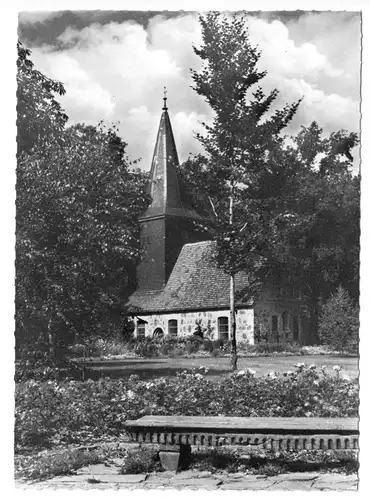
[196, 283]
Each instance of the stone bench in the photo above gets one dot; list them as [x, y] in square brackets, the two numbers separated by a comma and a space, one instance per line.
[176, 434]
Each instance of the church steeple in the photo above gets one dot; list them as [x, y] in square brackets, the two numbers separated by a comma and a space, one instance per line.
[163, 185]
[168, 223]
[164, 99]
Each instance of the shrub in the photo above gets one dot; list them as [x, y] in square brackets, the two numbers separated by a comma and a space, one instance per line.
[46, 465]
[48, 413]
[215, 459]
[199, 329]
[176, 352]
[272, 347]
[39, 365]
[270, 463]
[97, 347]
[141, 460]
[339, 322]
[193, 344]
[146, 348]
[215, 346]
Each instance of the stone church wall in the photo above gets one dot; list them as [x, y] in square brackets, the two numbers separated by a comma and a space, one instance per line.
[287, 324]
[187, 322]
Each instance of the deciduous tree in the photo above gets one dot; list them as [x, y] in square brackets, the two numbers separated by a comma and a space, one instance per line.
[238, 143]
[77, 234]
[316, 246]
[39, 113]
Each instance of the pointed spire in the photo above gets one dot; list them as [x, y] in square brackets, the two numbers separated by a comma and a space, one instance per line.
[163, 184]
[165, 99]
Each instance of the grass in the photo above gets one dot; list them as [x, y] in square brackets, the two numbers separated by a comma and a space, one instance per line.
[154, 368]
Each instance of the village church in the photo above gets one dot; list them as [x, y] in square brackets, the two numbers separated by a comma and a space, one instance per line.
[179, 284]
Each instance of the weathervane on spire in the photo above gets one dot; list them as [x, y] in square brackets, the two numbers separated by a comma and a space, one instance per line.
[164, 98]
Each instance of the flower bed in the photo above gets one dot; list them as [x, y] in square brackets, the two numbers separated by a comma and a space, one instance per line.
[189, 347]
[51, 413]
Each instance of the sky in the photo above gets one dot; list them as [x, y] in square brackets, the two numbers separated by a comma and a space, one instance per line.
[115, 64]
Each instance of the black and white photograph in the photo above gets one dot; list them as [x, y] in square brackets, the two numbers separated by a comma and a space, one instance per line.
[187, 249]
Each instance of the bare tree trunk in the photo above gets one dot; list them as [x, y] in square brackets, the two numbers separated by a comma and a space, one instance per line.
[234, 357]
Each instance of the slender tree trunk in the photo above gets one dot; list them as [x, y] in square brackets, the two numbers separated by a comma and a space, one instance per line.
[51, 339]
[234, 356]
[314, 321]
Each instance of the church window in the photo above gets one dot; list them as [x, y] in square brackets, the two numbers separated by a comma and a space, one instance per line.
[172, 327]
[223, 328]
[140, 329]
[158, 333]
[295, 328]
[285, 317]
[274, 327]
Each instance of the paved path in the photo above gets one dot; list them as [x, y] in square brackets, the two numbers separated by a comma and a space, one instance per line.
[108, 477]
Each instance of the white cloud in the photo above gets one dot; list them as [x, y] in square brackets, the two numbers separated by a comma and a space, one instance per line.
[84, 95]
[282, 55]
[117, 72]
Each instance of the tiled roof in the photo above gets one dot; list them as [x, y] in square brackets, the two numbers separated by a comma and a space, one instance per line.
[196, 283]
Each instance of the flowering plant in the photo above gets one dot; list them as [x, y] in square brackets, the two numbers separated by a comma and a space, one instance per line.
[83, 412]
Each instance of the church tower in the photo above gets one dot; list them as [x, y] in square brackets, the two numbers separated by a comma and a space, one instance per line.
[168, 223]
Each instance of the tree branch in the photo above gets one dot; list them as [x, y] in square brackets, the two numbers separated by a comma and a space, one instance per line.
[213, 207]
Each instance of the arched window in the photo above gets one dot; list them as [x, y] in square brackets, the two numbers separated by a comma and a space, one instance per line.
[223, 328]
[158, 333]
[172, 327]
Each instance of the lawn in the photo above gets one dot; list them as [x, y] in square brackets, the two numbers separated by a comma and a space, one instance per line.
[152, 368]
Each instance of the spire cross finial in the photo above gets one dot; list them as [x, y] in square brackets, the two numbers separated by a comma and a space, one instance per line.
[165, 98]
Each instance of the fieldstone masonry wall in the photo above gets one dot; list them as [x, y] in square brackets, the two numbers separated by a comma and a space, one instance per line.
[273, 318]
[289, 325]
[187, 322]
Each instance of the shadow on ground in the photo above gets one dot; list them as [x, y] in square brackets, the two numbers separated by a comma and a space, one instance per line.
[169, 367]
[145, 373]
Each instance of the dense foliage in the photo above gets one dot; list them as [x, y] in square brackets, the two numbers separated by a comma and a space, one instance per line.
[81, 412]
[77, 233]
[39, 114]
[339, 322]
[316, 244]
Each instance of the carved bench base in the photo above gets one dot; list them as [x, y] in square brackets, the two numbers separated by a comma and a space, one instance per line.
[170, 460]
[171, 455]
